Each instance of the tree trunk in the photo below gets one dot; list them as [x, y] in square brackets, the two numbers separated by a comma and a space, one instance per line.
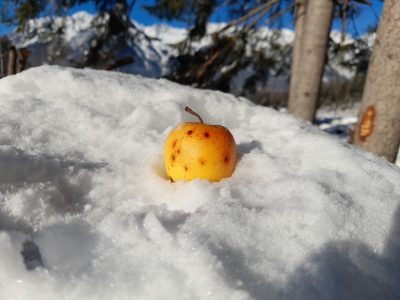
[306, 81]
[22, 59]
[1, 60]
[300, 17]
[11, 61]
[378, 128]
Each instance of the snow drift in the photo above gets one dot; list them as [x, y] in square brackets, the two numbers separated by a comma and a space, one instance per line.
[86, 211]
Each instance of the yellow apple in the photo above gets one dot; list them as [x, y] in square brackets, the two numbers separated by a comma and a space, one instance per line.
[197, 150]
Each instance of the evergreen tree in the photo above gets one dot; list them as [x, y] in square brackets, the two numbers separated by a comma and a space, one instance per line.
[112, 23]
[232, 56]
[227, 55]
[313, 23]
[229, 50]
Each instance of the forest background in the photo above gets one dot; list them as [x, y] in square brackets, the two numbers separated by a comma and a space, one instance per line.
[240, 47]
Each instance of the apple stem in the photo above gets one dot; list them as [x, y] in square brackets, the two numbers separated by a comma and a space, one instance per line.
[190, 111]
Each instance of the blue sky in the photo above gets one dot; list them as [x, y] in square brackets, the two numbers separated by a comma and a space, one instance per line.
[367, 18]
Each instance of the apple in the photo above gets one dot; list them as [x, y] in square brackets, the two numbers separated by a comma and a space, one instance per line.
[198, 150]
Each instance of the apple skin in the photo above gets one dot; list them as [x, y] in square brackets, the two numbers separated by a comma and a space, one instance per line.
[197, 150]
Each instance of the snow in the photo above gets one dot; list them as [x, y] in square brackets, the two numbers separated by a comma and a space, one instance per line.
[169, 35]
[338, 121]
[86, 210]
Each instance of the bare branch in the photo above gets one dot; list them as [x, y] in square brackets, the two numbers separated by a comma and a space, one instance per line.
[249, 15]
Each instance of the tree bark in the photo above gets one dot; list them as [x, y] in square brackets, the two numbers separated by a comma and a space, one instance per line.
[22, 59]
[306, 81]
[11, 61]
[300, 17]
[378, 128]
[1, 60]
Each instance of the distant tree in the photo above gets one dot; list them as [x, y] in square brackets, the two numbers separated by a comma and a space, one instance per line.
[223, 56]
[112, 37]
[113, 27]
[307, 75]
[296, 68]
[234, 58]
[12, 61]
[378, 128]
[194, 12]
[225, 53]
[4, 46]
[313, 24]
[19, 12]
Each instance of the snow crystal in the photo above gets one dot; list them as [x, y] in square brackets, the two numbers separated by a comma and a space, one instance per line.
[87, 212]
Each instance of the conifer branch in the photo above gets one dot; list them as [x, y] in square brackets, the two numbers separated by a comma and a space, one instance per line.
[250, 14]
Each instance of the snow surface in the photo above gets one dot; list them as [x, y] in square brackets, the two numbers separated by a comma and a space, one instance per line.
[86, 210]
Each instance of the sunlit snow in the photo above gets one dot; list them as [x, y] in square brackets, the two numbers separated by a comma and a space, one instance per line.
[86, 211]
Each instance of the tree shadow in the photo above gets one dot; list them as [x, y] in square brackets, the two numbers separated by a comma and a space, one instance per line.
[346, 269]
[59, 185]
[240, 276]
[64, 183]
[349, 269]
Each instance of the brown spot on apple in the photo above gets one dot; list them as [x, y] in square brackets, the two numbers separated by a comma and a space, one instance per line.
[206, 135]
[189, 132]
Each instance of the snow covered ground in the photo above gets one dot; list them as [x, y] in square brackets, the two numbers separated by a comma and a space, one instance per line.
[86, 211]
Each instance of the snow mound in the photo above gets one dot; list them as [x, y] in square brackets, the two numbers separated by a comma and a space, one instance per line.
[86, 210]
